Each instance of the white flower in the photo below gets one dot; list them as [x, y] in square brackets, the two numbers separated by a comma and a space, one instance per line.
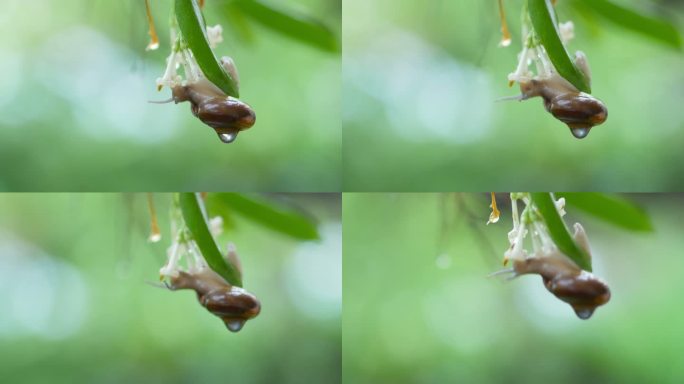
[182, 55]
[184, 247]
[560, 206]
[215, 35]
[174, 254]
[170, 78]
[233, 258]
[516, 238]
[216, 225]
[567, 31]
[534, 52]
[522, 72]
[581, 239]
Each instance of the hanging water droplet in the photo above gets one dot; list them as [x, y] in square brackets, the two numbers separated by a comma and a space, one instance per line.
[228, 137]
[584, 313]
[580, 132]
[234, 325]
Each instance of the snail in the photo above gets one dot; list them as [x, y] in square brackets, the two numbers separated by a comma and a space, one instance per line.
[226, 114]
[565, 279]
[232, 304]
[579, 110]
[562, 277]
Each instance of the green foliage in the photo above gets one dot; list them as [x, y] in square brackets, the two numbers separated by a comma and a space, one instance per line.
[437, 322]
[657, 28]
[288, 222]
[302, 28]
[111, 126]
[193, 32]
[197, 224]
[297, 26]
[559, 232]
[456, 139]
[95, 311]
[546, 29]
[545, 26]
[612, 209]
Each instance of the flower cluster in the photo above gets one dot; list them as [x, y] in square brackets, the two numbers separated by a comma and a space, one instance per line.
[181, 55]
[183, 246]
[529, 222]
[561, 276]
[533, 52]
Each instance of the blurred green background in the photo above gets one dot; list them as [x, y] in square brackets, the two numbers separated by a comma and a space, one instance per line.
[75, 306]
[419, 112]
[419, 308]
[74, 111]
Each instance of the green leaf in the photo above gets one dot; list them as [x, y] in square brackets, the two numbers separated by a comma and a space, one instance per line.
[650, 26]
[610, 208]
[541, 12]
[294, 25]
[197, 224]
[220, 209]
[559, 232]
[285, 221]
[238, 23]
[193, 32]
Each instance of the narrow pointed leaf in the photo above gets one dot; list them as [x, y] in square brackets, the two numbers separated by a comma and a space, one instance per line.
[193, 32]
[197, 224]
[288, 222]
[541, 12]
[612, 209]
[651, 26]
[559, 232]
[294, 25]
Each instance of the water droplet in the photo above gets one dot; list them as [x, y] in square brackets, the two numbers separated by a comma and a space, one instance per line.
[234, 325]
[443, 261]
[584, 313]
[228, 137]
[580, 132]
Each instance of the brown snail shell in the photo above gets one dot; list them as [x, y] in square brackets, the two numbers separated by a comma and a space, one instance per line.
[231, 304]
[580, 111]
[227, 115]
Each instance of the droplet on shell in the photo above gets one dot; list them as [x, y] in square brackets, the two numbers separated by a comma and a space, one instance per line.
[234, 325]
[584, 313]
[580, 132]
[228, 137]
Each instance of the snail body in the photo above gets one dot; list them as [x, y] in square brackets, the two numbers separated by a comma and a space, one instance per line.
[579, 110]
[231, 304]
